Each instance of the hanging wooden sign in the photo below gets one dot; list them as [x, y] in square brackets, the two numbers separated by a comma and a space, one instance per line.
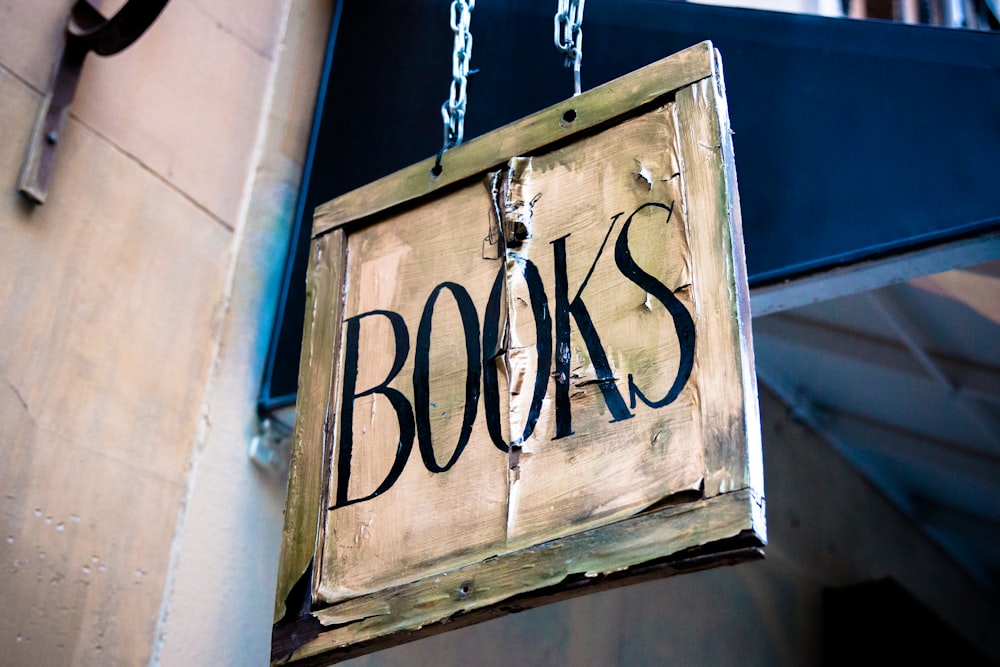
[527, 374]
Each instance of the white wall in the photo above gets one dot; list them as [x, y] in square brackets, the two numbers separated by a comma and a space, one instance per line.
[821, 7]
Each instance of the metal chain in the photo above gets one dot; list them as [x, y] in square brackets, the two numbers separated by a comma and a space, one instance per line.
[453, 109]
[569, 36]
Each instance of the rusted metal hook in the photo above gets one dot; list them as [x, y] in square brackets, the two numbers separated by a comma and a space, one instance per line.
[86, 30]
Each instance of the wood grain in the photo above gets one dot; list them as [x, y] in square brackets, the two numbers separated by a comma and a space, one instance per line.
[713, 208]
[489, 151]
[585, 193]
[317, 381]
[604, 556]
[606, 270]
[426, 521]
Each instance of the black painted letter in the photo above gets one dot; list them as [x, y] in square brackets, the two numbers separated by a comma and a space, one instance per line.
[543, 349]
[599, 358]
[683, 324]
[404, 413]
[421, 375]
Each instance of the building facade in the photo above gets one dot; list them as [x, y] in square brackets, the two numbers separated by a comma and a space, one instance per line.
[136, 307]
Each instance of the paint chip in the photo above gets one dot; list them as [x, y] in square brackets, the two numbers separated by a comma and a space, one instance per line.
[644, 174]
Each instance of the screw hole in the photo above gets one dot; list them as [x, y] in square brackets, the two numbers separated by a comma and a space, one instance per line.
[436, 170]
[569, 116]
[464, 589]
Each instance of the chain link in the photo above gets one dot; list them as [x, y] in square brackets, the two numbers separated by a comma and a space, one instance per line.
[453, 109]
[568, 39]
[569, 36]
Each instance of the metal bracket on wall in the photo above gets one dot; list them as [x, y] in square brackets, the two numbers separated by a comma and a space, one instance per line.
[271, 447]
[86, 30]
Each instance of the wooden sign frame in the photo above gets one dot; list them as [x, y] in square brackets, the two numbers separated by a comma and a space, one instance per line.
[718, 520]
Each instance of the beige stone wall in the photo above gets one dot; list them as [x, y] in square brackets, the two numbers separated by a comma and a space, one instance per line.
[134, 314]
[116, 309]
[219, 602]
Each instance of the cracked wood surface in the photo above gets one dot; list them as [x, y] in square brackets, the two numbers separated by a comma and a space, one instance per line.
[522, 137]
[427, 521]
[585, 194]
[601, 556]
[319, 359]
[595, 283]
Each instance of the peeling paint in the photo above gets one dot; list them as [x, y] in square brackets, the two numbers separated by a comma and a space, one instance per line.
[511, 199]
[517, 381]
[627, 314]
[644, 174]
[492, 249]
